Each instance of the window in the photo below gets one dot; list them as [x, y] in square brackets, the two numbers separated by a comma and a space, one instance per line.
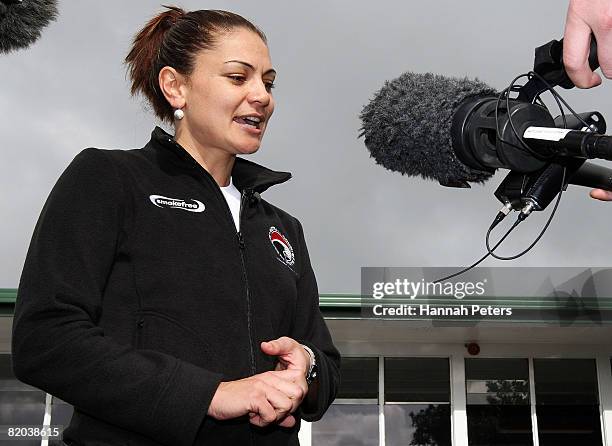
[359, 379]
[497, 397]
[567, 402]
[417, 402]
[20, 404]
[353, 418]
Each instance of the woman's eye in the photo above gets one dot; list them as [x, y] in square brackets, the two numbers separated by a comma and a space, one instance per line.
[237, 78]
[269, 86]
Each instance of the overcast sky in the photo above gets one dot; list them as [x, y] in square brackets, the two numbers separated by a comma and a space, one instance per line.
[69, 91]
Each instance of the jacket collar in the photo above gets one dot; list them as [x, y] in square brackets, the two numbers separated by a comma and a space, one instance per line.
[246, 175]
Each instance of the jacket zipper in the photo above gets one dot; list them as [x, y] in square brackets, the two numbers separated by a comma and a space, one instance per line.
[242, 247]
[246, 194]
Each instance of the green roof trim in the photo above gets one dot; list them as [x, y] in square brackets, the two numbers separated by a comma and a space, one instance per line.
[8, 295]
[356, 301]
[565, 310]
[340, 300]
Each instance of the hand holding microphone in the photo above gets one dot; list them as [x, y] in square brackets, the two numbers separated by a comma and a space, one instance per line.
[586, 17]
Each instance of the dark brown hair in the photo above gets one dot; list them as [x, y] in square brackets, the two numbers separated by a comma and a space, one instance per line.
[173, 38]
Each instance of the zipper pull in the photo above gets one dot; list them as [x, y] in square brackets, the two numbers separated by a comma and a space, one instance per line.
[240, 240]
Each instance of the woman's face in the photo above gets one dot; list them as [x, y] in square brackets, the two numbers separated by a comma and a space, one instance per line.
[228, 96]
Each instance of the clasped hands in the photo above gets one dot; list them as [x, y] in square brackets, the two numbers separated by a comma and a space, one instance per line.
[269, 397]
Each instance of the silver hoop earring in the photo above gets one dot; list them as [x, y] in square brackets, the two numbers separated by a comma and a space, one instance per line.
[179, 114]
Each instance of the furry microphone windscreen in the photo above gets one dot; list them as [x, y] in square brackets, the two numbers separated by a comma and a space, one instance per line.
[407, 126]
[21, 22]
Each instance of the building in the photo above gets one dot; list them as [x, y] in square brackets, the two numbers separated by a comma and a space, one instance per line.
[540, 377]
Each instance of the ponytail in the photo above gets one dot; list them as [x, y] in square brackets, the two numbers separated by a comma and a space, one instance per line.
[143, 58]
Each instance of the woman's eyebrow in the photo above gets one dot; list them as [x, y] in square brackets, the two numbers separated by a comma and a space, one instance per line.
[271, 70]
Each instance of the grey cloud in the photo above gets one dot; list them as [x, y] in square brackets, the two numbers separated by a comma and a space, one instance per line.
[69, 92]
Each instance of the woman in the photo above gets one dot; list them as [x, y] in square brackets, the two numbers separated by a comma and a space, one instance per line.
[161, 296]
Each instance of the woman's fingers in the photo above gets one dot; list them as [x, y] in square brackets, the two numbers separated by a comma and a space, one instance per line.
[288, 384]
[270, 404]
[295, 376]
[267, 398]
[288, 421]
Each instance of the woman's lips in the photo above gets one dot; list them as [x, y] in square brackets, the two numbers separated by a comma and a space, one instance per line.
[248, 127]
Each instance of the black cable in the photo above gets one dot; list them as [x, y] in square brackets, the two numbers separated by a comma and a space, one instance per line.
[511, 122]
[552, 214]
[558, 98]
[505, 94]
[516, 223]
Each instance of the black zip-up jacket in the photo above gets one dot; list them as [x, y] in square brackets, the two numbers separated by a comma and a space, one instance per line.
[138, 297]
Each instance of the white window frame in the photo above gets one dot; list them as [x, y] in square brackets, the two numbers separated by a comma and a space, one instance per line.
[457, 354]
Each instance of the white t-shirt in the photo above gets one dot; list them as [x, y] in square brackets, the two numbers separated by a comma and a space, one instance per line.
[232, 196]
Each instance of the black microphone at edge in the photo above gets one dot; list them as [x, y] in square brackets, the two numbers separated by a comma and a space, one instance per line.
[22, 22]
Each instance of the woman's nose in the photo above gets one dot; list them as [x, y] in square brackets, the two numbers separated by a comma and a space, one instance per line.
[259, 93]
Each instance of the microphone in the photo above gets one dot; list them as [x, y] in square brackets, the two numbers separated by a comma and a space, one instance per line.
[457, 131]
[21, 22]
[407, 127]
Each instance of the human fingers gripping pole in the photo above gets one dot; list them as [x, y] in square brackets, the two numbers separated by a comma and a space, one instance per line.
[583, 18]
[576, 44]
[604, 48]
[602, 195]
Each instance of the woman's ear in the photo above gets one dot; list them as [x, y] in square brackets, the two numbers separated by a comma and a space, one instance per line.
[173, 86]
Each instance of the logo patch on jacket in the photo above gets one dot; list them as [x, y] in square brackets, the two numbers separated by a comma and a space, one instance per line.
[282, 246]
[177, 203]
